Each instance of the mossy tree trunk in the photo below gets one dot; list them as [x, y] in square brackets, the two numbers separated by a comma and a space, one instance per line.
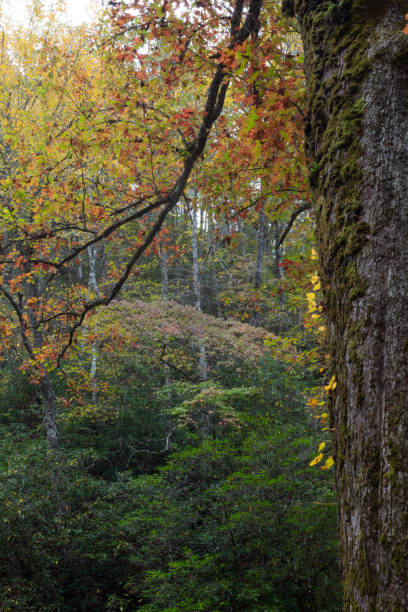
[356, 61]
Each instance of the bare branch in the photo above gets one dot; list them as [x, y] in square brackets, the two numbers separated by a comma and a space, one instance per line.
[294, 216]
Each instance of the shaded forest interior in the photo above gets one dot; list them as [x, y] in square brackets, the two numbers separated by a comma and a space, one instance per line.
[163, 356]
[175, 491]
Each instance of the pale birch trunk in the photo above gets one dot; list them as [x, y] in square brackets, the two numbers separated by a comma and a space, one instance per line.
[93, 286]
[202, 363]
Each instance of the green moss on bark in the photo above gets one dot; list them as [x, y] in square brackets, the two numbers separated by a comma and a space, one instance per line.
[334, 129]
[335, 37]
[356, 62]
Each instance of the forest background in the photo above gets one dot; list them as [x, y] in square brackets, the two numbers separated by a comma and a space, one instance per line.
[164, 368]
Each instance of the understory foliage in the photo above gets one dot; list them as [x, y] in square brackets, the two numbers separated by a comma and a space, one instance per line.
[161, 147]
[170, 492]
[230, 520]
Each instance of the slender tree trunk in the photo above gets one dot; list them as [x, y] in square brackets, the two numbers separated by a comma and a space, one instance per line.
[166, 370]
[277, 251]
[94, 366]
[178, 286]
[194, 244]
[356, 60]
[242, 238]
[45, 384]
[92, 282]
[214, 284]
[50, 418]
[262, 237]
[202, 362]
[279, 324]
[164, 272]
[93, 285]
[261, 248]
[80, 269]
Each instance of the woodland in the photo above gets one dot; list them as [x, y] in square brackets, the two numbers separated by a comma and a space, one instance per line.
[202, 368]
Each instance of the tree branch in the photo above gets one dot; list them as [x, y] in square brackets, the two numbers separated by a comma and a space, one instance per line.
[294, 216]
[174, 367]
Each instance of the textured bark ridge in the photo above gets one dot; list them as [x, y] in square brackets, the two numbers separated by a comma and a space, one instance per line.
[356, 59]
[50, 417]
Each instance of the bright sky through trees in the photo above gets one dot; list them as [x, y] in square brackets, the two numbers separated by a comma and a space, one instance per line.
[77, 11]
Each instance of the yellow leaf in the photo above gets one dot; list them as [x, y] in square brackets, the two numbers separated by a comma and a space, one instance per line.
[316, 459]
[332, 384]
[328, 463]
[321, 446]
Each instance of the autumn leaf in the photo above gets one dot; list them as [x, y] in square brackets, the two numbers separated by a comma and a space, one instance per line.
[331, 385]
[328, 463]
[316, 460]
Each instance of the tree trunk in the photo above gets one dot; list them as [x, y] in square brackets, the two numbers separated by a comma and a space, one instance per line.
[93, 286]
[202, 359]
[164, 272]
[165, 295]
[356, 61]
[278, 272]
[194, 250]
[92, 281]
[50, 401]
[262, 235]
[50, 417]
[214, 288]
[262, 238]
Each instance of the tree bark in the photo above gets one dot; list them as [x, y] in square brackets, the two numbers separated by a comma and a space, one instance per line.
[164, 272]
[165, 296]
[212, 253]
[194, 251]
[50, 417]
[356, 63]
[202, 359]
[93, 286]
[278, 272]
[262, 238]
[45, 383]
